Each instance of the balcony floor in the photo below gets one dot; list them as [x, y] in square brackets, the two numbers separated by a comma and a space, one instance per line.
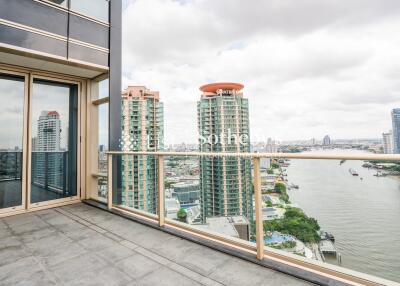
[82, 245]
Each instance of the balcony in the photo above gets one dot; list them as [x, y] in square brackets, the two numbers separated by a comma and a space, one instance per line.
[208, 226]
[83, 245]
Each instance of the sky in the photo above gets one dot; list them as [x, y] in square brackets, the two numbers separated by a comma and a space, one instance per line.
[309, 67]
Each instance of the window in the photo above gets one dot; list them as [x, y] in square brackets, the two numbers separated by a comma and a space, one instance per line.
[97, 9]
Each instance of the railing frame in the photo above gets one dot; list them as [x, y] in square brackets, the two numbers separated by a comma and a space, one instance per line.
[342, 274]
[258, 208]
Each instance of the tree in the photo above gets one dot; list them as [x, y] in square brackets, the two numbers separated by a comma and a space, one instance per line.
[269, 204]
[280, 188]
[295, 222]
[275, 165]
[182, 215]
[168, 184]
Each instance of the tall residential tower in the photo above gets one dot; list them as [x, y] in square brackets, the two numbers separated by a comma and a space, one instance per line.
[396, 130]
[142, 130]
[223, 122]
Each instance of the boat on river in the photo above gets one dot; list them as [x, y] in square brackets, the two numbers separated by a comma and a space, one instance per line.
[353, 172]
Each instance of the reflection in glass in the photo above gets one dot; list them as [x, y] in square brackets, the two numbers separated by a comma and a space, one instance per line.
[11, 136]
[102, 149]
[54, 141]
[94, 8]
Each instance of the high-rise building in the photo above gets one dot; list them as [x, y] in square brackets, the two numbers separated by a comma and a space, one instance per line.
[142, 130]
[47, 156]
[49, 131]
[271, 146]
[326, 140]
[396, 130]
[387, 142]
[223, 122]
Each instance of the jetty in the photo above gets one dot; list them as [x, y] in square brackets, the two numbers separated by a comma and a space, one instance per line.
[327, 247]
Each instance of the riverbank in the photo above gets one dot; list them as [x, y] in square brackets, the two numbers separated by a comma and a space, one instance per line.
[293, 221]
[362, 214]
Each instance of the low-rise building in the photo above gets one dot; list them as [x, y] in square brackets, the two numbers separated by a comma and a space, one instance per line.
[187, 192]
[235, 226]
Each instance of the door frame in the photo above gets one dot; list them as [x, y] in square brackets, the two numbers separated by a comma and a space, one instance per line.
[32, 77]
[82, 85]
[22, 206]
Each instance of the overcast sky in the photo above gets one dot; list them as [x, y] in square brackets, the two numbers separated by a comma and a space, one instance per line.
[310, 67]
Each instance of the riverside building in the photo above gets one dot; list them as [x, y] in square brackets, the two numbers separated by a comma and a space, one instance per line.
[223, 123]
[396, 130]
[387, 142]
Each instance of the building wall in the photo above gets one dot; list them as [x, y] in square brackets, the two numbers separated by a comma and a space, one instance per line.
[225, 183]
[52, 30]
[142, 130]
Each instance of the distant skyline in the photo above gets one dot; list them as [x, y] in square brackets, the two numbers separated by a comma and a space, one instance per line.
[309, 68]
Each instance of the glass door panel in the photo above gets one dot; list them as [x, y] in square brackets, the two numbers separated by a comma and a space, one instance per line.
[12, 95]
[54, 120]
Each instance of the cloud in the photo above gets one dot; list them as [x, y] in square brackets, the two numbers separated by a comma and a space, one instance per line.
[309, 67]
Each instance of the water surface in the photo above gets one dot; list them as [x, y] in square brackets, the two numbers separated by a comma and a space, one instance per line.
[363, 215]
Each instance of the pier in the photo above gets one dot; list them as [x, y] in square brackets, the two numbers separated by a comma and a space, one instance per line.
[327, 247]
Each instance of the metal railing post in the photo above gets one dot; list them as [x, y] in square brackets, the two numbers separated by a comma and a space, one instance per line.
[109, 182]
[258, 209]
[161, 197]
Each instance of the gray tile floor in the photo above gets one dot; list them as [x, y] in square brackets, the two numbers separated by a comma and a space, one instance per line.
[82, 245]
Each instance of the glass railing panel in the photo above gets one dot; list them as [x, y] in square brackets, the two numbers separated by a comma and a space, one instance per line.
[202, 193]
[338, 212]
[138, 188]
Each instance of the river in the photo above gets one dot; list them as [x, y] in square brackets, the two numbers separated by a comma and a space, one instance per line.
[363, 215]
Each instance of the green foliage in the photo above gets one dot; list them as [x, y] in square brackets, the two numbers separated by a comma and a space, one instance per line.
[172, 164]
[168, 184]
[182, 215]
[295, 222]
[280, 188]
[285, 245]
[275, 166]
[269, 204]
[270, 171]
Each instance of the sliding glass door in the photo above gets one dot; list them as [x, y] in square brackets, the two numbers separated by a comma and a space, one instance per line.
[39, 140]
[12, 98]
[54, 140]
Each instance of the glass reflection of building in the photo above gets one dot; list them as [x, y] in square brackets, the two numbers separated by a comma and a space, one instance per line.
[47, 156]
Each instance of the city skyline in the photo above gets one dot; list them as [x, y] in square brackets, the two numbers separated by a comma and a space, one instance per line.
[301, 82]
